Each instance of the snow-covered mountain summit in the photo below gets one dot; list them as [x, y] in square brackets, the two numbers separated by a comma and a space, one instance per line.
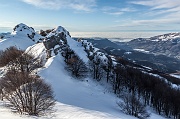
[22, 36]
[22, 28]
[58, 30]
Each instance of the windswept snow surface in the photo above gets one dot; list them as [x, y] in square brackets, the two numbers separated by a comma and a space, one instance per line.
[38, 51]
[62, 111]
[77, 48]
[19, 41]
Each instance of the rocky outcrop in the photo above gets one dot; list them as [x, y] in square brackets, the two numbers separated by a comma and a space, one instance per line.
[55, 40]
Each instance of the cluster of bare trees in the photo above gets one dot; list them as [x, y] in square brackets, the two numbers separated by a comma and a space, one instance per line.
[77, 67]
[150, 90]
[132, 106]
[74, 64]
[26, 92]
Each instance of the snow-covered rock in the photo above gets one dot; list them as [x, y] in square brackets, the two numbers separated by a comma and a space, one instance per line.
[58, 30]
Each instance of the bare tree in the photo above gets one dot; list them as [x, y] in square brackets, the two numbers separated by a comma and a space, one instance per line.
[1, 91]
[97, 69]
[77, 66]
[67, 53]
[131, 105]
[118, 79]
[25, 63]
[108, 67]
[8, 55]
[27, 93]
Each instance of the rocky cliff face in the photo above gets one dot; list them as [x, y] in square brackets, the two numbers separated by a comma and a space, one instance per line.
[167, 44]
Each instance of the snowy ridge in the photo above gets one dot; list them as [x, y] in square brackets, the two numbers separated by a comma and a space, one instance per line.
[94, 52]
[77, 48]
[82, 48]
[172, 37]
[167, 37]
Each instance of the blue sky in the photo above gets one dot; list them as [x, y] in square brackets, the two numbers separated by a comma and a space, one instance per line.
[92, 15]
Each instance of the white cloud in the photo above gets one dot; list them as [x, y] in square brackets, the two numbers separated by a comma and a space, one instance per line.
[80, 5]
[158, 4]
[6, 24]
[38, 27]
[158, 7]
[157, 21]
[117, 11]
[160, 12]
[153, 23]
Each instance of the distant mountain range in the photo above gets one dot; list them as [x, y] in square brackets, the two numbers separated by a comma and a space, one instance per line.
[137, 51]
[166, 44]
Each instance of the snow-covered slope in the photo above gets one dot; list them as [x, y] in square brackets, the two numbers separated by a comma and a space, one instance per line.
[22, 37]
[85, 96]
